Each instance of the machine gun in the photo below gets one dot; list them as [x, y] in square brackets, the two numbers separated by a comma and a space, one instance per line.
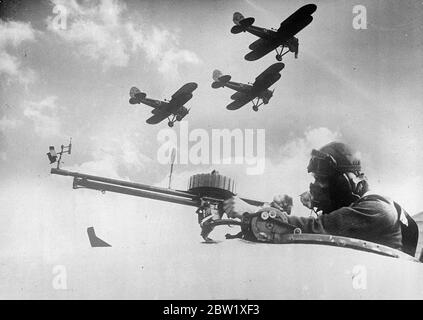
[206, 192]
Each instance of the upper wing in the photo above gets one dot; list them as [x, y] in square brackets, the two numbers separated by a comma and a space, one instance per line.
[240, 102]
[158, 117]
[269, 76]
[297, 21]
[262, 49]
[186, 88]
[182, 96]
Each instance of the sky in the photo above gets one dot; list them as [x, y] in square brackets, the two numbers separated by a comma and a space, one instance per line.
[62, 79]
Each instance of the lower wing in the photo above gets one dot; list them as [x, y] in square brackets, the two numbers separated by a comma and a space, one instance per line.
[240, 102]
[158, 117]
[262, 50]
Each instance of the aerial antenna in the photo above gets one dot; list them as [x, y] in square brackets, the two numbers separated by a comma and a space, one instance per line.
[172, 161]
[52, 155]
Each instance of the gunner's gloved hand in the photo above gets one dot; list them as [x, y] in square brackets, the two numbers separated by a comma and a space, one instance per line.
[283, 203]
[235, 207]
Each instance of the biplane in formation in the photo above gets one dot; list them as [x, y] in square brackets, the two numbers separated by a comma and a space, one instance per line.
[272, 39]
[173, 109]
[258, 92]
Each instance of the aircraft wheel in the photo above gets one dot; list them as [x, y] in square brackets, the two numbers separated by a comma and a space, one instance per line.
[170, 124]
[255, 108]
[279, 57]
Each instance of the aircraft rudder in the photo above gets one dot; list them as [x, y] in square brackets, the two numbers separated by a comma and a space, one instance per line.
[237, 17]
[133, 91]
[216, 74]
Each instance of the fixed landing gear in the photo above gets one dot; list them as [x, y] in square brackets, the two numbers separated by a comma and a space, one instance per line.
[280, 54]
[257, 103]
[171, 121]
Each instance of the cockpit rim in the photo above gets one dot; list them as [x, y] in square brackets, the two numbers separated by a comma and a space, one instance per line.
[344, 242]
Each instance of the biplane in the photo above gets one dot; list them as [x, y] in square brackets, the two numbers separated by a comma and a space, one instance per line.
[272, 39]
[258, 92]
[172, 109]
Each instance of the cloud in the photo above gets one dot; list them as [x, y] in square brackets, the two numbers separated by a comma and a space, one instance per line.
[162, 47]
[105, 165]
[115, 155]
[7, 123]
[44, 115]
[94, 29]
[101, 34]
[12, 34]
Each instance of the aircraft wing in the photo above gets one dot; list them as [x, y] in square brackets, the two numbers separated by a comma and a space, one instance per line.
[158, 117]
[296, 22]
[240, 102]
[262, 50]
[269, 76]
[184, 94]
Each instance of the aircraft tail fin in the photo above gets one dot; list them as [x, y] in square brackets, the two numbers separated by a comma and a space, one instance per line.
[219, 79]
[217, 74]
[241, 23]
[136, 95]
[237, 17]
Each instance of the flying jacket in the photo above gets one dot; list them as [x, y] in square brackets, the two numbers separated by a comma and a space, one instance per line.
[372, 218]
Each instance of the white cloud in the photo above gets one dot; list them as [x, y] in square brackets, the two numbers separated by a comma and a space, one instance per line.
[7, 123]
[44, 115]
[162, 47]
[115, 155]
[100, 33]
[12, 34]
[105, 165]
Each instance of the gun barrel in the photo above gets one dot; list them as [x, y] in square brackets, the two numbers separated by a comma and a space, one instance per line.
[122, 183]
[137, 189]
[135, 192]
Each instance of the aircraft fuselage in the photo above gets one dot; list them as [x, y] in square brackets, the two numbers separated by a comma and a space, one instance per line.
[154, 103]
[253, 91]
[237, 86]
[266, 34]
[262, 32]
